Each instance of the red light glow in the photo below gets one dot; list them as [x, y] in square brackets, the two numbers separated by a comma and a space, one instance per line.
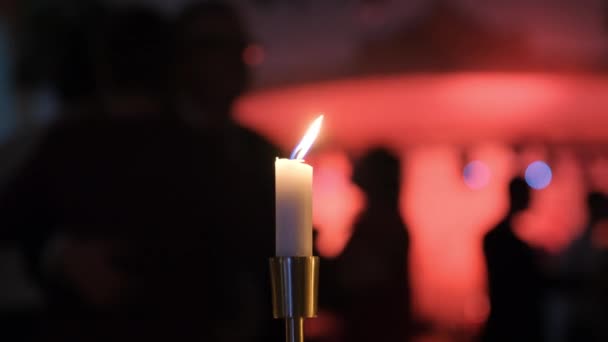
[429, 118]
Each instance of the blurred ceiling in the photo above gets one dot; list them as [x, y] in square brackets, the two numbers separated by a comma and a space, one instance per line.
[308, 40]
[438, 108]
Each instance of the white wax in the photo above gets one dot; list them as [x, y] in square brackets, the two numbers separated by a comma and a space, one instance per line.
[293, 180]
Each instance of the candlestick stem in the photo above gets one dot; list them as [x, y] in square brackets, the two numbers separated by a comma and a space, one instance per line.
[294, 328]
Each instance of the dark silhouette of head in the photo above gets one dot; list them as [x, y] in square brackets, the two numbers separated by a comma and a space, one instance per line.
[597, 203]
[133, 54]
[378, 174]
[519, 195]
[210, 70]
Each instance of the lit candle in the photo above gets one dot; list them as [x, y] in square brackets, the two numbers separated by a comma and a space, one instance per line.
[293, 180]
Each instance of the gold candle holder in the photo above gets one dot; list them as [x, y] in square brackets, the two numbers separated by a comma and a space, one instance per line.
[295, 284]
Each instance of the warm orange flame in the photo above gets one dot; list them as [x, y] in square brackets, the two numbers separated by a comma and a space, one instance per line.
[309, 138]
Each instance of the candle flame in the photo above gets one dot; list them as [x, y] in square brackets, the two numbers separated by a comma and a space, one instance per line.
[309, 138]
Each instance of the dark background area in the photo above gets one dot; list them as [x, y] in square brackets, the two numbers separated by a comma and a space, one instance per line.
[138, 139]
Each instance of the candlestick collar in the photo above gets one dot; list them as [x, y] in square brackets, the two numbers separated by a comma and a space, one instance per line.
[295, 282]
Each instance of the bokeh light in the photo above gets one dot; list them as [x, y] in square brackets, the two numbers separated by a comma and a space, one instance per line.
[538, 175]
[476, 174]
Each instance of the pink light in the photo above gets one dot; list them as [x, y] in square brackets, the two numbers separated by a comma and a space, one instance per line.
[476, 174]
[337, 201]
[477, 309]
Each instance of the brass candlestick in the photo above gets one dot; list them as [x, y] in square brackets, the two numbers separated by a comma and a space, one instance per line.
[295, 283]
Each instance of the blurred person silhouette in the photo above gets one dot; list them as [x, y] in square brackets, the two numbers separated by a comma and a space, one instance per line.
[582, 277]
[370, 280]
[117, 207]
[595, 305]
[514, 277]
[210, 74]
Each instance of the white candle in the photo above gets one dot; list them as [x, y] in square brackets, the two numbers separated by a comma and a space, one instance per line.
[293, 181]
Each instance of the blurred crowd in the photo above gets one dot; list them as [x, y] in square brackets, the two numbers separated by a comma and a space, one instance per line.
[145, 212]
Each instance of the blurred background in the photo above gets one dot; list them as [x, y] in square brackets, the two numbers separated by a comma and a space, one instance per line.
[453, 98]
